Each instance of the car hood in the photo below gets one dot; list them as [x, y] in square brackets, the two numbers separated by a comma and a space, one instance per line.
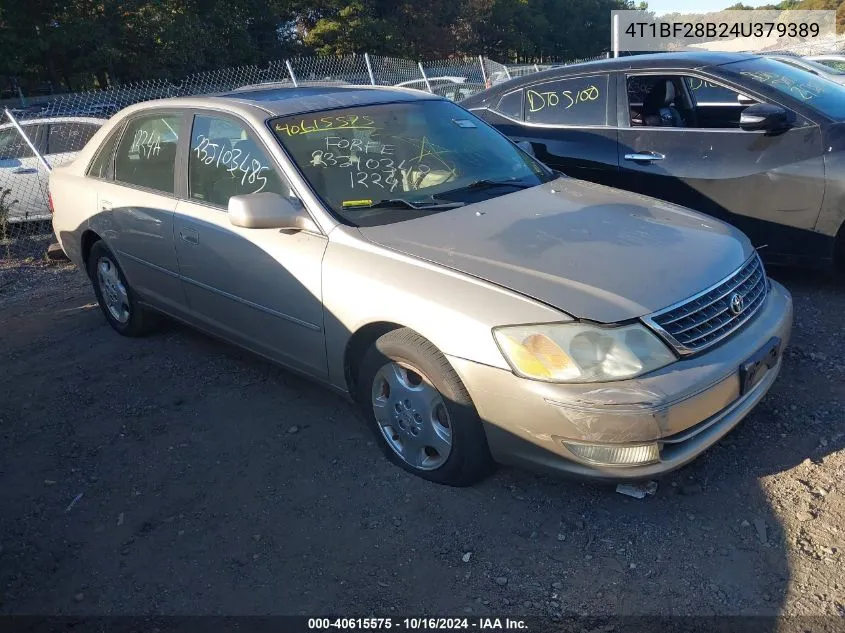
[591, 251]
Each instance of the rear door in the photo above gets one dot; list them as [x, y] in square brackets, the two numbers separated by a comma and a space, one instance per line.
[768, 185]
[136, 206]
[258, 287]
[568, 122]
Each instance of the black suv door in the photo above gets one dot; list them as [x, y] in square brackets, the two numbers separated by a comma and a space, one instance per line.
[570, 124]
[681, 142]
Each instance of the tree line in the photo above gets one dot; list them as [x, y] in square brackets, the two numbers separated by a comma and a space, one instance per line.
[61, 45]
[65, 45]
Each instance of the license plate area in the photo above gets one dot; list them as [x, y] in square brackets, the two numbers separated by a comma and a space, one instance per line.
[753, 369]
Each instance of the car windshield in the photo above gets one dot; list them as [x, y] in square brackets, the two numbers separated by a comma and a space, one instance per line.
[817, 92]
[384, 163]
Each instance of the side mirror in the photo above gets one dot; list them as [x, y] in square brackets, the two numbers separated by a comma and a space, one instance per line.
[745, 100]
[268, 211]
[764, 116]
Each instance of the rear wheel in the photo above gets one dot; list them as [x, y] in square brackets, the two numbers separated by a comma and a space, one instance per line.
[420, 411]
[116, 298]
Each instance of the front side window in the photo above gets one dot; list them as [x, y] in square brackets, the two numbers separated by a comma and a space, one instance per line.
[226, 161]
[705, 93]
[575, 101]
[146, 156]
[383, 163]
[69, 137]
[12, 145]
[821, 94]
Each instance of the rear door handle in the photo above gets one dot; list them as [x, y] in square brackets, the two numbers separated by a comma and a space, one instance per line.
[189, 235]
[645, 157]
[24, 170]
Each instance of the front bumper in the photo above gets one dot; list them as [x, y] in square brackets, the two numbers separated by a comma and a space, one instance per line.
[685, 407]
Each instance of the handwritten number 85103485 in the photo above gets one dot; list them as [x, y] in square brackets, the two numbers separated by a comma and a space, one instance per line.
[233, 161]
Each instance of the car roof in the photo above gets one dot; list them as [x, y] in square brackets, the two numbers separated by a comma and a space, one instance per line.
[282, 101]
[57, 119]
[680, 59]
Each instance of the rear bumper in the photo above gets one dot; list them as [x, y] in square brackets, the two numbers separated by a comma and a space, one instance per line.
[684, 408]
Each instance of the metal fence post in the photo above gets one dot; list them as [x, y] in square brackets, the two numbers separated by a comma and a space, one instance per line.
[536, 68]
[483, 70]
[422, 72]
[290, 72]
[369, 68]
[27, 141]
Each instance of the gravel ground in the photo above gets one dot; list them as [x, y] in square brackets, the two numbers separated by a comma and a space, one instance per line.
[177, 475]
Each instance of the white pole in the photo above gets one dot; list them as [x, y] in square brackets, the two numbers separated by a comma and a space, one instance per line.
[615, 24]
[26, 139]
[483, 70]
[369, 68]
[428, 85]
[290, 72]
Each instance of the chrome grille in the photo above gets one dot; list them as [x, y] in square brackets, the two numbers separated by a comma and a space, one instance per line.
[705, 319]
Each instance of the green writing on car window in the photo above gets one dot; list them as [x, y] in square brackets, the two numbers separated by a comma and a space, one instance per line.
[309, 126]
[804, 91]
[563, 100]
[697, 84]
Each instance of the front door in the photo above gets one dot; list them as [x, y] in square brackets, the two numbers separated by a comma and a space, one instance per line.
[258, 287]
[682, 143]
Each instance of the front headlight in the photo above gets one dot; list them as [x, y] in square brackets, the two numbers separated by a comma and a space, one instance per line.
[577, 352]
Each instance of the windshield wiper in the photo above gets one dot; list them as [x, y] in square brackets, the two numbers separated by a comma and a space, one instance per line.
[486, 184]
[400, 203]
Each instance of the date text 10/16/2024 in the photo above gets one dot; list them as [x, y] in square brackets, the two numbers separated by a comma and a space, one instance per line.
[417, 624]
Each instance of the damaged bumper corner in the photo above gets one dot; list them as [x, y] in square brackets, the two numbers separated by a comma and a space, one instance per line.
[666, 418]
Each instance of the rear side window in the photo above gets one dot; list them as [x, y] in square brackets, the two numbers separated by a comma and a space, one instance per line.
[69, 137]
[146, 156]
[226, 160]
[101, 166]
[510, 105]
[575, 101]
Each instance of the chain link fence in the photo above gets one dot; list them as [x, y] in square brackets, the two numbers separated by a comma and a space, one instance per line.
[40, 133]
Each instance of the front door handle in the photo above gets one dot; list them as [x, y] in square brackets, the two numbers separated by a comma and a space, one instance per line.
[189, 235]
[24, 170]
[645, 157]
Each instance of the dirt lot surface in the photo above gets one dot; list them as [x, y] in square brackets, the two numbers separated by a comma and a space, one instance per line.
[176, 475]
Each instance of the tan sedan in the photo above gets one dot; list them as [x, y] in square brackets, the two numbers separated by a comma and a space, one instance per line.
[394, 247]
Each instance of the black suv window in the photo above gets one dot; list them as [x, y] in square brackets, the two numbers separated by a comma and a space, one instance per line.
[69, 137]
[226, 161]
[146, 155]
[575, 101]
[510, 105]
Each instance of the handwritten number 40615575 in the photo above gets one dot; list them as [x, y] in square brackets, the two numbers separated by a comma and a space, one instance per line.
[233, 161]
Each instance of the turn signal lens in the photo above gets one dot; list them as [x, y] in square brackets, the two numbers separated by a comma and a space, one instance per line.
[616, 455]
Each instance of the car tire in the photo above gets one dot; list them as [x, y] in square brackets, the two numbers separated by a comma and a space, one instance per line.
[117, 300]
[420, 412]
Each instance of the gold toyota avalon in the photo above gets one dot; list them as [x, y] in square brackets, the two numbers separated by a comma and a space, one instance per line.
[478, 306]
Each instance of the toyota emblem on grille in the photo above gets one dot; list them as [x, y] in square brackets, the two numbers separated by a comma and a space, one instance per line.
[737, 304]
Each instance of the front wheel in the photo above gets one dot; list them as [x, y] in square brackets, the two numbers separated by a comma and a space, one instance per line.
[420, 412]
